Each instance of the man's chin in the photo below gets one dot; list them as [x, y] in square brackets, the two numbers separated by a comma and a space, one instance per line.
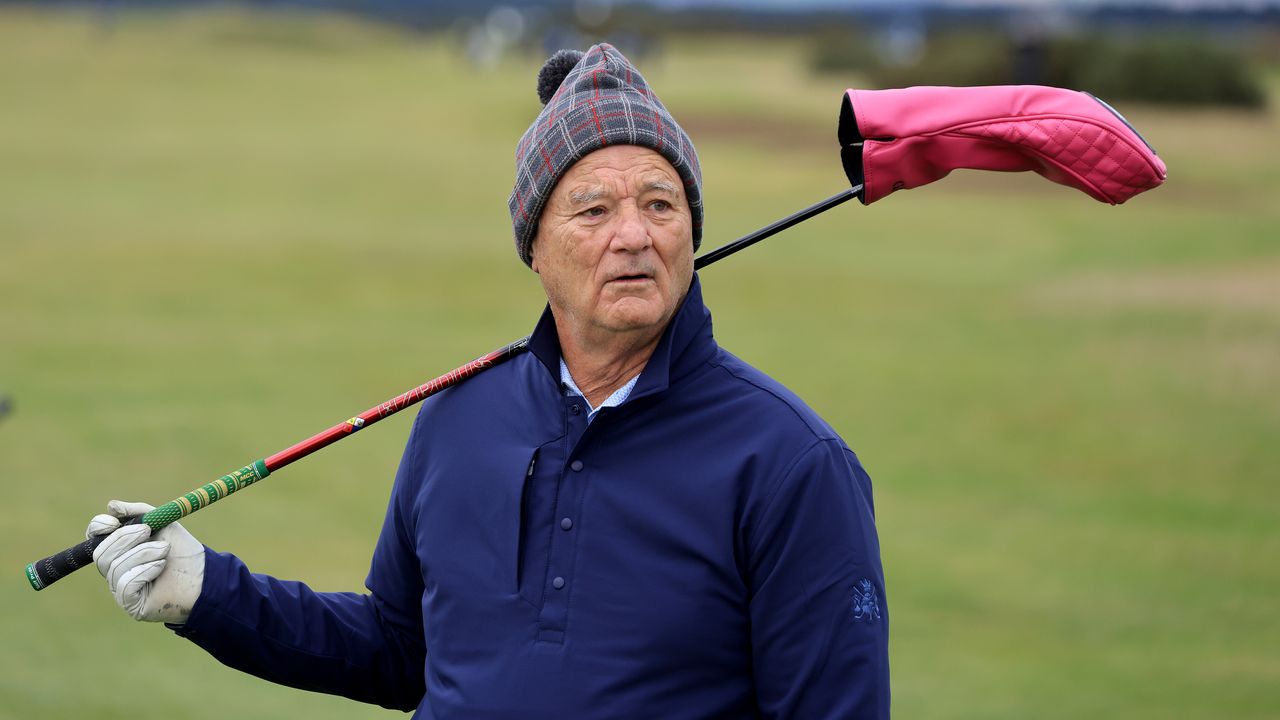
[628, 314]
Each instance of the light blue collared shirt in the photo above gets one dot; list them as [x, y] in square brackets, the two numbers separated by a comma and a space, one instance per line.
[618, 397]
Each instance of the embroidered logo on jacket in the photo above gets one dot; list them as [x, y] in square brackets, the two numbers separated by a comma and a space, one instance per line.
[865, 606]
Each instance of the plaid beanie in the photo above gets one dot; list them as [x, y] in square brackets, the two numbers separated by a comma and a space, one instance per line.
[591, 100]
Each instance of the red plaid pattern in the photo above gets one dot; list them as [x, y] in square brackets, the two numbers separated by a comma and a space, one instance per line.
[603, 101]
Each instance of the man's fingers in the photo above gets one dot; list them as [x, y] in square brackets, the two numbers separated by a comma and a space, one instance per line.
[134, 560]
[117, 543]
[145, 553]
[117, 510]
[124, 508]
[101, 525]
[135, 584]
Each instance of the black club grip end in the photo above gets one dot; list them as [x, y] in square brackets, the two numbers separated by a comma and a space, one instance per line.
[43, 573]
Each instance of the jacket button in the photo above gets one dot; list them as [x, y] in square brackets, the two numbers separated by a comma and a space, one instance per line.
[576, 465]
[566, 524]
[557, 583]
[575, 409]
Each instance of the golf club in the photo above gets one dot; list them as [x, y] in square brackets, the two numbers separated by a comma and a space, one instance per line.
[889, 140]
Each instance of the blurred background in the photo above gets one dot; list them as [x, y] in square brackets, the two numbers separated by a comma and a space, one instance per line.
[225, 226]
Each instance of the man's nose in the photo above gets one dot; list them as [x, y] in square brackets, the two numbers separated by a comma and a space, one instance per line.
[632, 232]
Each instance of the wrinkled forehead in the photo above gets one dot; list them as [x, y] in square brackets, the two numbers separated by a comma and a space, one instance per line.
[600, 172]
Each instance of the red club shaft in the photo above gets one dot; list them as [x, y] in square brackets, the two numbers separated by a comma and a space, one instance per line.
[394, 405]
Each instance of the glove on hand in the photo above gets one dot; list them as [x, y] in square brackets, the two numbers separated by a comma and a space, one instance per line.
[156, 581]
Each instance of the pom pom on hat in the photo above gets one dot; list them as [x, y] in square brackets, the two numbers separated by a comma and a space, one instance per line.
[554, 71]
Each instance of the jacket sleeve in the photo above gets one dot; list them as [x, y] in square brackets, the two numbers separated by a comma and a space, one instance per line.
[367, 647]
[819, 622]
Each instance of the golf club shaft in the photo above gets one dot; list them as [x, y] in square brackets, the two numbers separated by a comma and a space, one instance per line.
[747, 241]
[44, 573]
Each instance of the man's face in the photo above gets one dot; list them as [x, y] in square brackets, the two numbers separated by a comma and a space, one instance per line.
[614, 246]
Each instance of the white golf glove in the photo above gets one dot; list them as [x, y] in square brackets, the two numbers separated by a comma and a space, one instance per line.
[155, 581]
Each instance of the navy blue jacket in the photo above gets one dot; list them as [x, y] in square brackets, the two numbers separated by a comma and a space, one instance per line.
[705, 550]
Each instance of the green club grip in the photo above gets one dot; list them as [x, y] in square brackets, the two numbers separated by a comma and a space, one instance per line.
[43, 573]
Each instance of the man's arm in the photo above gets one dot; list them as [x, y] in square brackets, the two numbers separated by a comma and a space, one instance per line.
[365, 647]
[819, 622]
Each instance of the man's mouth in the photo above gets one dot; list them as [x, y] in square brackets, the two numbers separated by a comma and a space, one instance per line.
[632, 278]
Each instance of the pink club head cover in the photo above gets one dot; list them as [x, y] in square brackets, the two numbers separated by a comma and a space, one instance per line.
[913, 136]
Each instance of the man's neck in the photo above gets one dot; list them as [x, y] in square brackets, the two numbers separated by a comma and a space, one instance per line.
[600, 366]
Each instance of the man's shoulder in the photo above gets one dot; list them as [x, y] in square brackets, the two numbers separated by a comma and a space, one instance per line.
[767, 403]
[513, 393]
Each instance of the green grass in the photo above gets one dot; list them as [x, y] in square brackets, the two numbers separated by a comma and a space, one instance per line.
[221, 233]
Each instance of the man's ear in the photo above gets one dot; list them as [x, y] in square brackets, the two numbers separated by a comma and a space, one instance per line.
[533, 254]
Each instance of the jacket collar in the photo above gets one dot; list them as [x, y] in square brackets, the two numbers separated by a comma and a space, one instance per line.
[686, 343]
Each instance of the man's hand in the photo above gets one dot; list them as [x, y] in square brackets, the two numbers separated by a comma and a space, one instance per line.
[155, 581]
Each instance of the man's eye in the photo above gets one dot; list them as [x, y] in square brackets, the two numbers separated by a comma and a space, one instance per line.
[660, 205]
[596, 211]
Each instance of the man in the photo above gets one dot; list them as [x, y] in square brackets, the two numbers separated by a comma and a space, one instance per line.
[625, 522]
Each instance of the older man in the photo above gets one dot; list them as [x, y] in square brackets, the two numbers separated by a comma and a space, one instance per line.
[626, 522]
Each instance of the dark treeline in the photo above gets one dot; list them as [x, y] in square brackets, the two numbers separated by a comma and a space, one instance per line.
[1152, 53]
[640, 16]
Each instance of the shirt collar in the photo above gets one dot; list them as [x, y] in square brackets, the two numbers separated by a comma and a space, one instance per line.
[618, 397]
